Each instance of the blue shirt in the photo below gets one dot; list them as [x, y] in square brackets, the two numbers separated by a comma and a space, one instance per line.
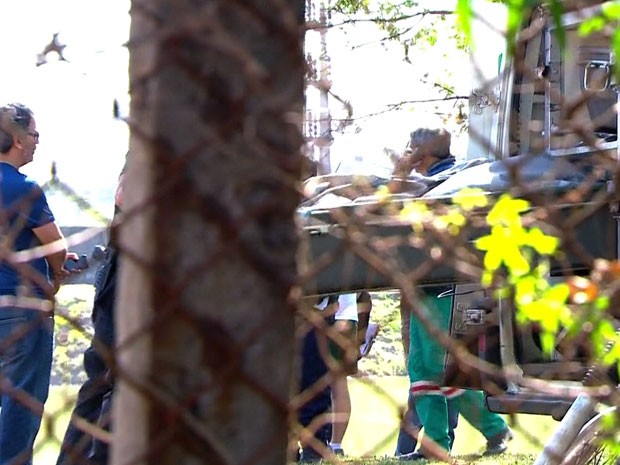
[23, 207]
[441, 165]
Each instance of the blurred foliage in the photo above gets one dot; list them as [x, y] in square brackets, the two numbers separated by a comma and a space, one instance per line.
[517, 258]
[606, 21]
[431, 42]
[415, 25]
[352, 6]
[517, 263]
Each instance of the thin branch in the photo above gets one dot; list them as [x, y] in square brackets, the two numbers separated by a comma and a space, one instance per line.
[383, 39]
[380, 20]
[398, 106]
[440, 86]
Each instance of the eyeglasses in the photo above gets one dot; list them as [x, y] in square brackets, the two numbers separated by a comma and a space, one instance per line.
[34, 134]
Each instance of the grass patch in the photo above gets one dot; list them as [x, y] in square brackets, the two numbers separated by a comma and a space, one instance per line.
[58, 409]
[386, 357]
[371, 437]
[376, 405]
[72, 335]
[377, 396]
[505, 459]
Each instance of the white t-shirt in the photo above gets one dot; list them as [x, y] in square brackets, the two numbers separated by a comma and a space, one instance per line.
[347, 307]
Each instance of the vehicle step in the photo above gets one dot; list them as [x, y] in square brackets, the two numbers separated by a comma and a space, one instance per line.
[530, 403]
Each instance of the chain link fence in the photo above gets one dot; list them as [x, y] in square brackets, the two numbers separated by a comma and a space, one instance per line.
[492, 257]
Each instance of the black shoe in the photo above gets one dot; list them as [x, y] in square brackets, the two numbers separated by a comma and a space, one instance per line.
[498, 444]
[338, 451]
[309, 455]
[412, 456]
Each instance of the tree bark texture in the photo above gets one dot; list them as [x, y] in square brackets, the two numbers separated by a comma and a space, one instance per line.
[205, 318]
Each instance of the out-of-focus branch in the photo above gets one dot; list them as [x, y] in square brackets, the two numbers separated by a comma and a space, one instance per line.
[394, 19]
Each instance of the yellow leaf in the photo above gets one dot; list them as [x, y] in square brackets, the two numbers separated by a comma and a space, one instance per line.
[484, 242]
[507, 210]
[492, 260]
[515, 261]
[541, 242]
[470, 198]
[487, 278]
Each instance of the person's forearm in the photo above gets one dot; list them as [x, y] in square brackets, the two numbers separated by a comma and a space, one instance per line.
[56, 261]
[49, 235]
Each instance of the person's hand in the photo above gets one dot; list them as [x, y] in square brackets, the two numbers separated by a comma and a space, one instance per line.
[58, 278]
[63, 273]
[73, 257]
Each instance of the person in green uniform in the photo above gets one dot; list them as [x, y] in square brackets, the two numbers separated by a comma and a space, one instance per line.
[429, 154]
[425, 368]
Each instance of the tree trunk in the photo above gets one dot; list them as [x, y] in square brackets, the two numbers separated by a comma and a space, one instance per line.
[205, 318]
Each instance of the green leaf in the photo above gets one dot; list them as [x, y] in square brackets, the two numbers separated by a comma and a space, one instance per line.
[601, 303]
[513, 23]
[542, 270]
[502, 293]
[615, 45]
[611, 10]
[487, 278]
[613, 354]
[591, 25]
[464, 18]
[547, 340]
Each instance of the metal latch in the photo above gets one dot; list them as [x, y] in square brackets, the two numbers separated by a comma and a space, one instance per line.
[474, 317]
[596, 76]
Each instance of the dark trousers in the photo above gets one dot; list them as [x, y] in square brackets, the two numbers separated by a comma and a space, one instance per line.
[313, 368]
[79, 448]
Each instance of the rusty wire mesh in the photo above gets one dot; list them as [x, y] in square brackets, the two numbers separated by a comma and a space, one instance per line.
[360, 246]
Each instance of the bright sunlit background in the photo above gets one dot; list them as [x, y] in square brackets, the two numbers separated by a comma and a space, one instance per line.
[373, 75]
[72, 100]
